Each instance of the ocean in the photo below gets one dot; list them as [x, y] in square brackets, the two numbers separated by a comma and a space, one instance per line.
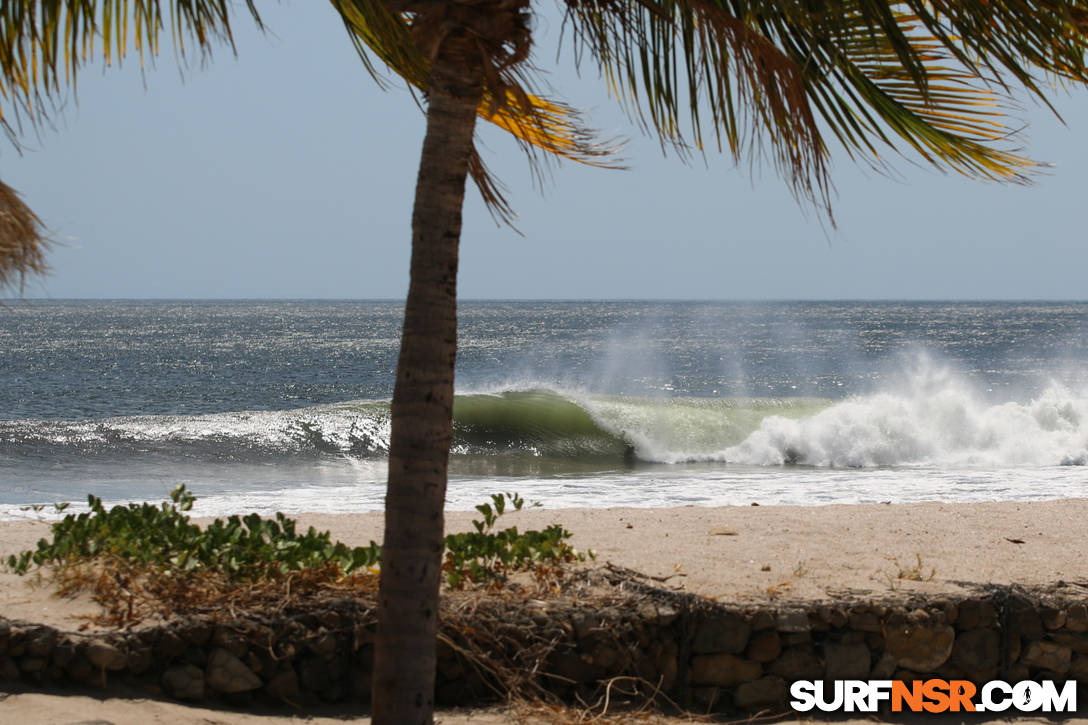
[284, 405]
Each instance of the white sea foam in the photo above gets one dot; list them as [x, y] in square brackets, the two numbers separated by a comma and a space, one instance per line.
[943, 425]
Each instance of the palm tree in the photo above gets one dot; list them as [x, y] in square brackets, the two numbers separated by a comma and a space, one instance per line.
[752, 77]
[762, 76]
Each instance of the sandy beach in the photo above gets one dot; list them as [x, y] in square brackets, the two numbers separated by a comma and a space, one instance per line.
[729, 554]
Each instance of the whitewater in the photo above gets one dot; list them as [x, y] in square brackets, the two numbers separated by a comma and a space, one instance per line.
[285, 406]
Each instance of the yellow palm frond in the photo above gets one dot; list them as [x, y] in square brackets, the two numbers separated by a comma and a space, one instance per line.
[539, 124]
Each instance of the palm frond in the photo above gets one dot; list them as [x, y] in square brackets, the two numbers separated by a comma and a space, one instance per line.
[543, 127]
[933, 77]
[23, 240]
[44, 43]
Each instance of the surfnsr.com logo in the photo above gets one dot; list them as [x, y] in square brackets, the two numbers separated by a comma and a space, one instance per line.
[933, 696]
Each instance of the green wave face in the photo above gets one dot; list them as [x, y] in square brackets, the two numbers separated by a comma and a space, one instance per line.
[671, 430]
[536, 423]
[599, 428]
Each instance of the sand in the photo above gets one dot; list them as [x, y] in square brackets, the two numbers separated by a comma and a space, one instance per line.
[746, 553]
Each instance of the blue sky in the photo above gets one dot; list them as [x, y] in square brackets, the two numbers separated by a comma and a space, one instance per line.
[286, 173]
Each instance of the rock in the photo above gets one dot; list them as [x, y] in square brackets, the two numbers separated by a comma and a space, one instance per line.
[41, 643]
[951, 612]
[1075, 641]
[254, 662]
[169, 645]
[259, 636]
[362, 636]
[1047, 656]
[1018, 673]
[196, 656]
[723, 670]
[184, 682]
[140, 660]
[762, 620]
[314, 674]
[797, 664]
[1076, 618]
[228, 674]
[884, 668]
[865, 621]
[1053, 617]
[707, 697]
[338, 667]
[723, 634]
[835, 617]
[764, 646]
[919, 617]
[81, 670]
[585, 624]
[854, 637]
[792, 620]
[1078, 668]
[323, 645]
[609, 657]
[666, 656]
[976, 614]
[330, 618]
[17, 642]
[230, 640]
[1013, 646]
[32, 665]
[8, 669]
[846, 661]
[766, 691]
[976, 650]
[795, 638]
[920, 648]
[283, 685]
[666, 615]
[106, 656]
[197, 633]
[62, 654]
[1023, 619]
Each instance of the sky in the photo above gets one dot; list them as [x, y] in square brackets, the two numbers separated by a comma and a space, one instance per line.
[285, 172]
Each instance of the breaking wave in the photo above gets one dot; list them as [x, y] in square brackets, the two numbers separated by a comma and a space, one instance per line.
[935, 422]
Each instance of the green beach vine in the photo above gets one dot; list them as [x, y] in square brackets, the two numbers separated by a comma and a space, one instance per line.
[158, 551]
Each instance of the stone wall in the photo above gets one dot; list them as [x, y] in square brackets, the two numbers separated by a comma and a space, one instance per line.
[701, 655]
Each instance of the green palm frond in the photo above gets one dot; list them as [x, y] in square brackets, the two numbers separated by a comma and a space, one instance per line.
[44, 43]
[767, 75]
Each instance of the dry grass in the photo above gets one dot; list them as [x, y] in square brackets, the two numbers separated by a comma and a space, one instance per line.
[546, 713]
[129, 594]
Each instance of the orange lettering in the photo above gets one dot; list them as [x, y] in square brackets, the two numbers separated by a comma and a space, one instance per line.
[961, 692]
[937, 692]
[912, 695]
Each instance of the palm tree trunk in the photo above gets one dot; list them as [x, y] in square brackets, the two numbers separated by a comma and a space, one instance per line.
[422, 411]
